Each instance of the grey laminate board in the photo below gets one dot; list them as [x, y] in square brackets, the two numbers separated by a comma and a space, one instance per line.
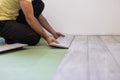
[75, 64]
[91, 58]
[113, 44]
[102, 65]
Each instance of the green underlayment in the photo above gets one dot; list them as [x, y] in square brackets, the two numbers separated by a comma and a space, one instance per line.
[32, 63]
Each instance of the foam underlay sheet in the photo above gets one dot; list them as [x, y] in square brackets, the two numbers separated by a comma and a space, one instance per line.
[31, 63]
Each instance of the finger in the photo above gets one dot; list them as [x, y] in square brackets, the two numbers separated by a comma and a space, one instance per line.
[55, 37]
[62, 35]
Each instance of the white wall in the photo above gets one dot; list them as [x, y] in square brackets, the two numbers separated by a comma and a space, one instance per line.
[84, 17]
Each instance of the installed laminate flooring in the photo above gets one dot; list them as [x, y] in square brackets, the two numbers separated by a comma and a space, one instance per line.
[91, 58]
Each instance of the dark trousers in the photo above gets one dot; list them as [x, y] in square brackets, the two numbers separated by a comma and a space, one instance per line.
[19, 31]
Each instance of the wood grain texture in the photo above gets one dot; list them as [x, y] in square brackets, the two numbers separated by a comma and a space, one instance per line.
[113, 44]
[91, 58]
[74, 66]
[102, 65]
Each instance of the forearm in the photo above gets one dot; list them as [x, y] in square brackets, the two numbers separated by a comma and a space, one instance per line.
[45, 24]
[35, 25]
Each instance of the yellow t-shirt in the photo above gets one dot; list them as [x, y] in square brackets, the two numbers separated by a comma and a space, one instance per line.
[9, 9]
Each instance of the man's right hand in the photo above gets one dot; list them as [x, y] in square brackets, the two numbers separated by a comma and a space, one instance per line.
[51, 39]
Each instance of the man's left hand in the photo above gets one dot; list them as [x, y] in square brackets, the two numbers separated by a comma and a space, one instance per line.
[58, 34]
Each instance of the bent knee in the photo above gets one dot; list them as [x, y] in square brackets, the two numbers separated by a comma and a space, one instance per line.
[33, 40]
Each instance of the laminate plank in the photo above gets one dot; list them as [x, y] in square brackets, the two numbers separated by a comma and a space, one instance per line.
[102, 65]
[113, 44]
[75, 64]
[91, 58]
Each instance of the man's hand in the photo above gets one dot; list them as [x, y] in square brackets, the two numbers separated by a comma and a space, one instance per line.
[51, 39]
[58, 34]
